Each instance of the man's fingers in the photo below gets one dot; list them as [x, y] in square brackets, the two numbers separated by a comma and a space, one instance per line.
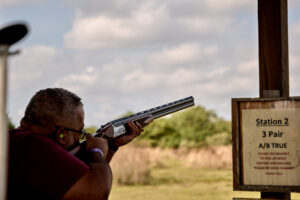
[133, 128]
[139, 127]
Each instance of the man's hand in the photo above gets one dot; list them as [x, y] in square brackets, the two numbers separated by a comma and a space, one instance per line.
[96, 142]
[135, 130]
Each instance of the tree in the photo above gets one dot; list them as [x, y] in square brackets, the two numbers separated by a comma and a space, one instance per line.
[161, 133]
[193, 127]
[10, 124]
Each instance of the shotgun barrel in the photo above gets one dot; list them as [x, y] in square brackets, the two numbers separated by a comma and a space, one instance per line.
[120, 126]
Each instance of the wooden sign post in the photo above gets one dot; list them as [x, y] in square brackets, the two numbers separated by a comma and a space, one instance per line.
[266, 130]
[273, 57]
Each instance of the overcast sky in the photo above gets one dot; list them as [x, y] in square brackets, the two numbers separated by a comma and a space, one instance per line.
[122, 55]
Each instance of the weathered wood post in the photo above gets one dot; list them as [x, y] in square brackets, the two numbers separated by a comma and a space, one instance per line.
[273, 57]
[273, 48]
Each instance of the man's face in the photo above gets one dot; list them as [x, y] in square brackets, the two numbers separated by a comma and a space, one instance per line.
[77, 123]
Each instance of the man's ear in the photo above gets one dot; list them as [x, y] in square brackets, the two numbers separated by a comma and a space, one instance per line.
[60, 137]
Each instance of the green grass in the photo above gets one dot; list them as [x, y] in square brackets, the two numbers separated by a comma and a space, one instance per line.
[173, 181]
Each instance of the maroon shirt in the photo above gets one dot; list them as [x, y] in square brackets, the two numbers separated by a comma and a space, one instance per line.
[39, 168]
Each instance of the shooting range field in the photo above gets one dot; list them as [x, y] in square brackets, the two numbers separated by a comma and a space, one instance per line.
[175, 175]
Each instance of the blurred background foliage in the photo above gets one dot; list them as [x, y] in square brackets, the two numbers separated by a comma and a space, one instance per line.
[192, 128]
[10, 124]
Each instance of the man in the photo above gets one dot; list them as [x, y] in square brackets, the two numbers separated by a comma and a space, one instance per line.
[40, 165]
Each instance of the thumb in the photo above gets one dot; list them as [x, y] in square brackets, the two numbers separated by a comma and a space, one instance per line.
[88, 136]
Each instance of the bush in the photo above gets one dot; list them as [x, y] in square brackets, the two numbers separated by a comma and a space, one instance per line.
[218, 139]
[161, 133]
[10, 124]
[193, 127]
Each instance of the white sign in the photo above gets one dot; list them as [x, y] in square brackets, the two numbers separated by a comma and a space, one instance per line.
[271, 146]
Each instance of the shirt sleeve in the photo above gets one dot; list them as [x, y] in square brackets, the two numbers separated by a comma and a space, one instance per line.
[48, 168]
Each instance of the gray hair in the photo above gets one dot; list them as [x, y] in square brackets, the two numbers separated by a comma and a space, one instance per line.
[51, 106]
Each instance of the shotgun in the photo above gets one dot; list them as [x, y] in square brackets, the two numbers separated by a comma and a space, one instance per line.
[120, 126]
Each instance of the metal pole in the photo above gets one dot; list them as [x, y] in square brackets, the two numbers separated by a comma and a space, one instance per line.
[8, 36]
[3, 121]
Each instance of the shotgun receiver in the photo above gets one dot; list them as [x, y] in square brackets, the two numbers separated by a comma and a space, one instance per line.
[120, 126]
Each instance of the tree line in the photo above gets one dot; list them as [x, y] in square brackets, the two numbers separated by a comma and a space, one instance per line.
[193, 127]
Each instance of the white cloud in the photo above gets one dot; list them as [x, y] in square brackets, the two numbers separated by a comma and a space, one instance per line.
[99, 32]
[182, 77]
[294, 50]
[177, 7]
[203, 25]
[211, 50]
[139, 80]
[294, 75]
[149, 23]
[216, 6]
[106, 31]
[121, 84]
[296, 28]
[184, 53]
[215, 73]
[30, 71]
[78, 82]
[248, 67]
[31, 65]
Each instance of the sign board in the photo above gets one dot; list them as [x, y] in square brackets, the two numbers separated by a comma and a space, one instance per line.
[266, 144]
